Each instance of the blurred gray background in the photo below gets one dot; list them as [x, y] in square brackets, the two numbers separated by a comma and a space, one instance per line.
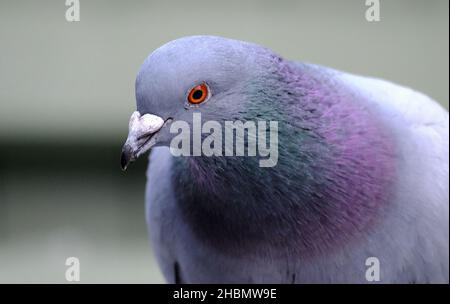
[67, 90]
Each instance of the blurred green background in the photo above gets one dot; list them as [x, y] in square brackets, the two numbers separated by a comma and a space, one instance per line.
[67, 91]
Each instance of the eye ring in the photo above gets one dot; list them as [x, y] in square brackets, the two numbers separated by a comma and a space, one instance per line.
[199, 94]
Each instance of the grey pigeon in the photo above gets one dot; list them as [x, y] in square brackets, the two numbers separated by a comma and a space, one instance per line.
[362, 172]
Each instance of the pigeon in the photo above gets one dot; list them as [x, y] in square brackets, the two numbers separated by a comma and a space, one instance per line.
[359, 192]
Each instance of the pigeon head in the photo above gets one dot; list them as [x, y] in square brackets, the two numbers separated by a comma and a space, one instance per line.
[206, 74]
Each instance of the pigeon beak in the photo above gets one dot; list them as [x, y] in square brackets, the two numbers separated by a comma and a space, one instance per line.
[126, 157]
[141, 137]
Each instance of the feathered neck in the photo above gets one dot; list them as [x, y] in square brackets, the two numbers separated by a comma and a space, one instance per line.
[334, 173]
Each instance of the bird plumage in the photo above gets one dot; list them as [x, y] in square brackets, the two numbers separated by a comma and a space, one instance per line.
[362, 172]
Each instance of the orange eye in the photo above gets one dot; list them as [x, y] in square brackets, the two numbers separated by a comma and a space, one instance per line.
[198, 94]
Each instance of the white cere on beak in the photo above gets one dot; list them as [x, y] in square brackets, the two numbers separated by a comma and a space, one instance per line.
[145, 124]
[140, 137]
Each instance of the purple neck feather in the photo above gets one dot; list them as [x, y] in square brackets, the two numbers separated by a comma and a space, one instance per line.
[309, 209]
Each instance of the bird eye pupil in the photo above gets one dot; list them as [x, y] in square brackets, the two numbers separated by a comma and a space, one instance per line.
[197, 94]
